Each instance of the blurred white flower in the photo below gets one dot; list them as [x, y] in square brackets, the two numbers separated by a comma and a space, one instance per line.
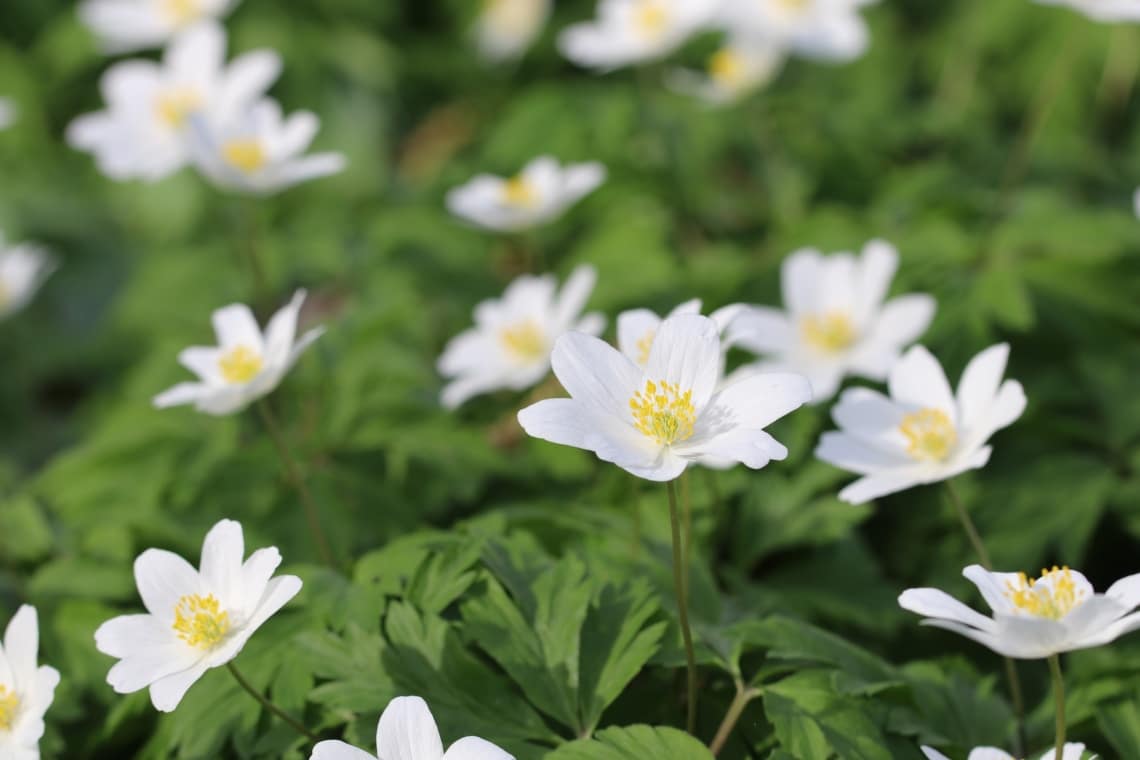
[822, 29]
[1102, 10]
[922, 433]
[1070, 752]
[735, 71]
[245, 365]
[144, 132]
[407, 731]
[1136, 202]
[23, 268]
[259, 151]
[1033, 618]
[637, 328]
[541, 192]
[633, 31]
[510, 344]
[506, 28]
[654, 422]
[196, 619]
[7, 113]
[126, 25]
[26, 691]
[836, 322]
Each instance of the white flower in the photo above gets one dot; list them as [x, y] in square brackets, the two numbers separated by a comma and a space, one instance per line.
[637, 328]
[510, 344]
[1069, 752]
[541, 192]
[125, 25]
[196, 619]
[506, 28]
[736, 70]
[1033, 618]
[633, 31]
[23, 268]
[654, 422]
[923, 433]
[1136, 202]
[1102, 10]
[143, 134]
[824, 29]
[260, 151]
[836, 322]
[7, 113]
[407, 731]
[26, 691]
[245, 365]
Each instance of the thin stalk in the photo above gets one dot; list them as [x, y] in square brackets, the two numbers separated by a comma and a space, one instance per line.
[274, 709]
[1059, 698]
[686, 529]
[968, 525]
[735, 710]
[679, 587]
[293, 472]
[249, 248]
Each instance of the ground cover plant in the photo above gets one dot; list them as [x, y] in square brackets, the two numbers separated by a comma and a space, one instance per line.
[581, 380]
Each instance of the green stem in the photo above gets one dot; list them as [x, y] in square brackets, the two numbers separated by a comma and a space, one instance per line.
[272, 708]
[735, 710]
[1059, 698]
[293, 472]
[250, 250]
[680, 587]
[686, 529]
[968, 524]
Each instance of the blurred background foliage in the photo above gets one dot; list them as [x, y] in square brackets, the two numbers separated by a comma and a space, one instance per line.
[503, 579]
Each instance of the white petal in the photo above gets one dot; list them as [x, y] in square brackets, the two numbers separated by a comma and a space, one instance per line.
[918, 380]
[667, 467]
[757, 401]
[933, 754]
[203, 361]
[752, 448]
[800, 276]
[686, 352]
[880, 484]
[407, 731]
[235, 325]
[457, 392]
[198, 50]
[595, 374]
[935, 603]
[338, 750]
[1126, 591]
[247, 78]
[570, 423]
[993, 586]
[901, 322]
[855, 455]
[163, 578]
[21, 645]
[579, 285]
[874, 272]
[634, 327]
[222, 552]
[474, 748]
[978, 387]
[579, 180]
[282, 328]
[990, 753]
[166, 693]
[229, 399]
[760, 330]
[255, 575]
[1003, 646]
[867, 414]
[306, 168]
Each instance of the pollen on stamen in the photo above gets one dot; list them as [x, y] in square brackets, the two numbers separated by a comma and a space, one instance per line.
[9, 706]
[644, 346]
[1054, 595]
[200, 621]
[651, 17]
[246, 155]
[929, 434]
[663, 412]
[524, 340]
[519, 191]
[240, 365]
[829, 333]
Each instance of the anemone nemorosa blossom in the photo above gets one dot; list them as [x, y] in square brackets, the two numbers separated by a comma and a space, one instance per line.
[1069, 752]
[23, 269]
[1102, 10]
[506, 28]
[26, 690]
[125, 25]
[830, 30]
[628, 32]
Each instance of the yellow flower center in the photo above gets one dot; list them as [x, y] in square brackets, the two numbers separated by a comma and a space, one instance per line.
[831, 332]
[1054, 595]
[245, 154]
[930, 435]
[200, 621]
[793, 5]
[644, 346]
[240, 365]
[519, 191]
[726, 67]
[9, 705]
[182, 11]
[651, 18]
[175, 105]
[662, 412]
[525, 340]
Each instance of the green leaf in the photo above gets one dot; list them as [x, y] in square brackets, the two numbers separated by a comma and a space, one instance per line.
[634, 743]
[812, 720]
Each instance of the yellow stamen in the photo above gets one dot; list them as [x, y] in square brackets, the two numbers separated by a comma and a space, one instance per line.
[651, 18]
[1054, 595]
[200, 621]
[794, 5]
[929, 433]
[174, 106]
[644, 346]
[9, 705]
[662, 412]
[525, 340]
[182, 11]
[240, 365]
[244, 154]
[519, 191]
[726, 67]
[830, 332]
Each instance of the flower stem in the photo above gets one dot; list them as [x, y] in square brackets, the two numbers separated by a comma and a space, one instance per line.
[1059, 698]
[686, 529]
[249, 248]
[968, 524]
[274, 709]
[293, 472]
[735, 710]
[681, 588]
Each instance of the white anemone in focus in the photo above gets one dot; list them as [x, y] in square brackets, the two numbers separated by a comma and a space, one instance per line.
[1068, 752]
[125, 25]
[196, 619]
[23, 268]
[540, 193]
[260, 151]
[1033, 618]
[837, 321]
[245, 365]
[1102, 10]
[628, 32]
[26, 691]
[831, 30]
[407, 731]
[144, 131]
[510, 344]
[7, 113]
[922, 433]
[637, 328]
[734, 71]
[655, 421]
[506, 28]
